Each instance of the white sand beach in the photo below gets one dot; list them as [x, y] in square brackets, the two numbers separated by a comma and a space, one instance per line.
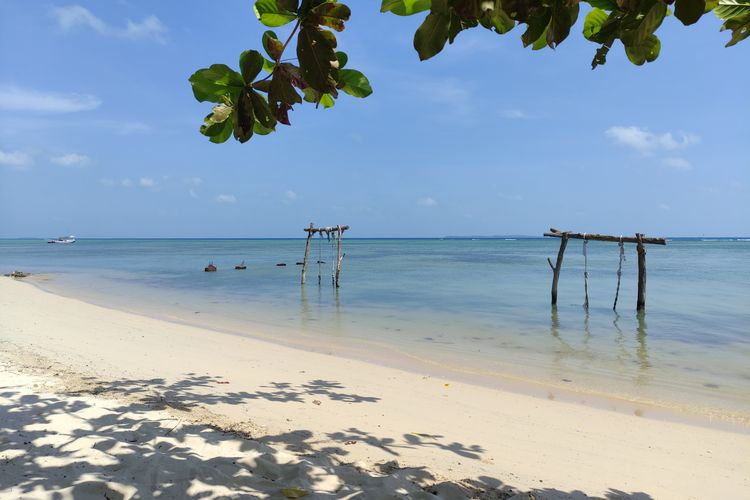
[98, 402]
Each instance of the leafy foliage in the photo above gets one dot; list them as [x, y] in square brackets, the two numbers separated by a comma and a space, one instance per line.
[248, 103]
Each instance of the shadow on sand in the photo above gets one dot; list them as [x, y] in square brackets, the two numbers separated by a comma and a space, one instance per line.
[123, 446]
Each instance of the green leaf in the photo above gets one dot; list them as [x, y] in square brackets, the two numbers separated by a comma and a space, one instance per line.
[689, 11]
[260, 129]
[593, 23]
[342, 58]
[355, 83]
[563, 17]
[262, 111]
[405, 7]
[736, 14]
[536, 27]
[327, 101]
[740, 27]
[268, 66]
[500, 20]
[330, 14]
[251, 62]
[218, 132]
[431, 36]
[218, 125]
[294, 492]
[316, 57]
[729, 9]
[650, 22]
[272, 45]
[603, 4]
[281, 88]
[270, 13]
[217, 83]
[648, 51]
[244, 117]
[601, 53]
[541, 42]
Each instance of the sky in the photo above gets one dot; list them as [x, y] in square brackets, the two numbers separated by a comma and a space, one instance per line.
[99, 132]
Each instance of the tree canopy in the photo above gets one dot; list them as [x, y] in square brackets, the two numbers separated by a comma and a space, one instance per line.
[255, 99]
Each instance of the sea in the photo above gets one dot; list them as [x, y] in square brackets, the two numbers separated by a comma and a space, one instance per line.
[469, 309]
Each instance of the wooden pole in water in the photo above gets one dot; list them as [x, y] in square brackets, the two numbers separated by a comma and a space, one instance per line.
[641, 303]
[558, 265]
[307, 251]
[338, 260]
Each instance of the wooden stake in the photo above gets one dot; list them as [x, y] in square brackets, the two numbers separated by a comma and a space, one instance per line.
[558, 265]
[338, 260]
[641, 303]
[307, 251]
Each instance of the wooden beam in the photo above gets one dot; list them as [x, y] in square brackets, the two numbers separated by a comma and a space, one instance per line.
[555, 233]
[558, 266]
[641, 303]
[307, 251]
[333, 229]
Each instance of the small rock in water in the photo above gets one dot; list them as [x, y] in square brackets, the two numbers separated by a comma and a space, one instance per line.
[17, 274]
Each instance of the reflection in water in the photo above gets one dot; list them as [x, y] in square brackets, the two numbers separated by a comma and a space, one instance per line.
[320, 312]
[642, 351]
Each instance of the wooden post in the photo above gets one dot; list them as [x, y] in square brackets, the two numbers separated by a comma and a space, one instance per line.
[641, 303]
[558, 265]
[338, 260]
[307, 251]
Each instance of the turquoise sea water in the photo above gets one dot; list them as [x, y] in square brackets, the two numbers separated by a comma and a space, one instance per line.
[477, 309]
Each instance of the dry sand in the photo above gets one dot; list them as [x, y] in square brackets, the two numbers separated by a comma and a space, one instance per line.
[96, 401]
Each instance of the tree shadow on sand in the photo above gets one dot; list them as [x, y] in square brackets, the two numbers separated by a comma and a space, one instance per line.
[71, 444]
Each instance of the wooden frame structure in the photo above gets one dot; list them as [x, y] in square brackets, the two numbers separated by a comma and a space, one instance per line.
[336, 232]
[639, 239]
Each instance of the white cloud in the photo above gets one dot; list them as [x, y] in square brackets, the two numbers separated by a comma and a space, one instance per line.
[226, 198]
[290, 196]
[677, 163]
[646, 142]
[107, 182]
[126, 128]
[126, 183]
[192, 193]
[448, 92]
[146, 182]
[193, 181]
[16, 159]
[71, 160]
[14, 98]
[73, 16]
[514, 114]
[427, 202]
[665, 207]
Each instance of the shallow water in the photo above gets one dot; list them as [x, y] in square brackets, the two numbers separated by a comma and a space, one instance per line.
[479, 308]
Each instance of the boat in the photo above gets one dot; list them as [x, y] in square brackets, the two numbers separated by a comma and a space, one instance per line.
[63, 239]
[241, 266]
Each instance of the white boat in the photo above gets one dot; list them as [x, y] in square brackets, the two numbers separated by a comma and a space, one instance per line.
[63, 239]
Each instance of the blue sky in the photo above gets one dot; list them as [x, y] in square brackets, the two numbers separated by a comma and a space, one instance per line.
[99, 132]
